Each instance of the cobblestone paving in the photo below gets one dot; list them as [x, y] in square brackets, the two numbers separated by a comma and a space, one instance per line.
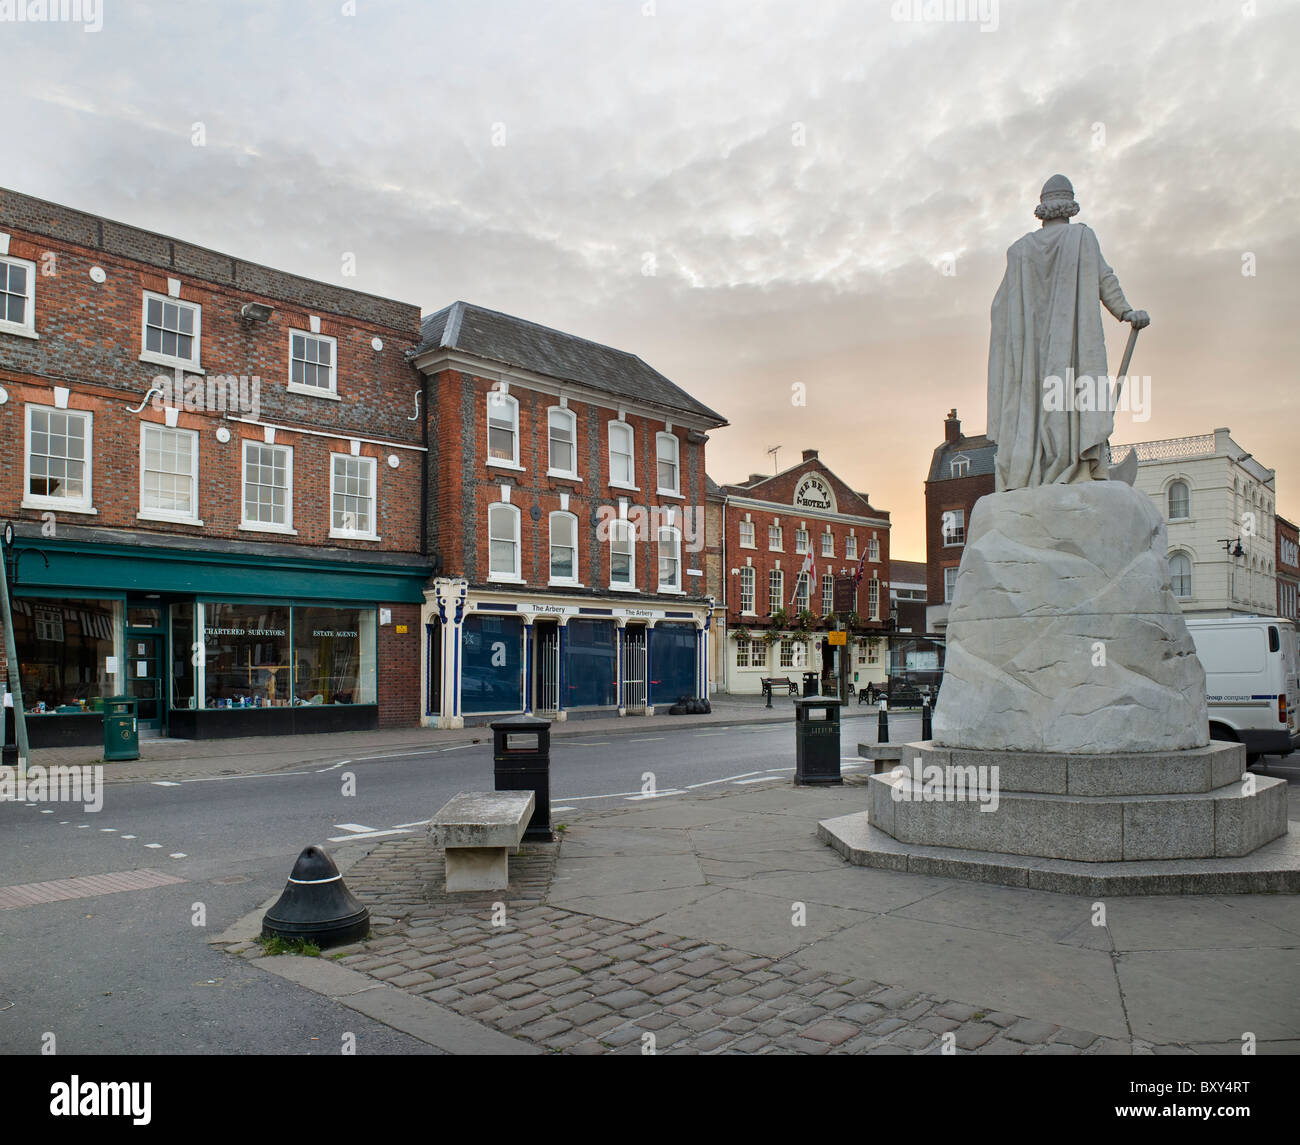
[574, 983]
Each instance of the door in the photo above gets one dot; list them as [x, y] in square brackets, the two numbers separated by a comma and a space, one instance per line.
[144, 677]
[634, 666]
[546, 667]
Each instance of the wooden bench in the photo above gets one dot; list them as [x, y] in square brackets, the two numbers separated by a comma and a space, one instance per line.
[770, 682]
[479, 830]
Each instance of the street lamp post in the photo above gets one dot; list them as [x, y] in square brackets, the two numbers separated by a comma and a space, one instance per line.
[11, 650]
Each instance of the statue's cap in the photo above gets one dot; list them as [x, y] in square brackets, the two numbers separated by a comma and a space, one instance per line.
[1058, 187]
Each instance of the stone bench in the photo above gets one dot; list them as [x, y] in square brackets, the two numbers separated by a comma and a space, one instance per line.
[886, 756]
[479, 830]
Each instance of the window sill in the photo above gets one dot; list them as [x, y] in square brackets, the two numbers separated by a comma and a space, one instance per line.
[564, 584]
[623, 485]
[948, 545]
[19, 331]
[742, 545]
[166, 518]
[312, 392]
[284, 530]
[563, 476]
[498, 464]
[57, 506]
[499, 578]
[342, 535]
[670, 493]
[670, 591]
[623, 588]
[172, 363]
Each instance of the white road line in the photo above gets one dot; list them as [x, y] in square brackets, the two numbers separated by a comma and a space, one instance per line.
[154, 846]
[761, 779]
[645, 739]
[585, 742]
[109, 830]
[367, 835]
[82, 826]
[724, 779]
[354, 827]
[177, 855]
[703, 735]
[164, 783]
[127, 836]
[554, 809]
[47, 812]
[458, 747]
[656, 794]
[332, 766]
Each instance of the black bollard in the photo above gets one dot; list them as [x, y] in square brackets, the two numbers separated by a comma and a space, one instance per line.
[767, 691]
[925, 720]
[882, 728]
[316, 906]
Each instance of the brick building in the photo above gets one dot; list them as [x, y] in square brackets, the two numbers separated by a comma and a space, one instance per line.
[1288, 570]
[567, 505]
[961, 472]
[215, 481]
[773, 527]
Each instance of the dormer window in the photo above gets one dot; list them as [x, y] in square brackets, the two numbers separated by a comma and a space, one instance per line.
[959, 466]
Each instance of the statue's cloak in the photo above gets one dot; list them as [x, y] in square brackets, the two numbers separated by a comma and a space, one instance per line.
[1047, 323]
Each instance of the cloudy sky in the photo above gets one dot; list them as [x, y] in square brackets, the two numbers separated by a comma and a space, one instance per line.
[749, 195]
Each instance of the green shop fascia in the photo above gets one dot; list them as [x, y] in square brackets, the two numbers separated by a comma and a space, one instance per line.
[238, 641]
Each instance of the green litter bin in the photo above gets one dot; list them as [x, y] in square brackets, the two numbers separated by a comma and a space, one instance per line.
[121, 732]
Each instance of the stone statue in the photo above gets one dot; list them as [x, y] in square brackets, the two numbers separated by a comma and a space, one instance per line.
[1047, 343]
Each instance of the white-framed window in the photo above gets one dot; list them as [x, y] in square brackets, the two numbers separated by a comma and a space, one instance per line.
[562, 438]
[828, 594]
[622, 553]
[1180, 575]
[949, 583]
[353, 486]
[170, 330]
[828, 544]
[953, 526]
[873, 549]
[502, 429]
[503, 541]
[747, 535]
[667, 456]
[873, 652]
[17, 296]
[758, 654]
[774, 537]
[742, 653]
[622, 457]
[959, 466]
[313, 363]
[58, 459]
[747, 589]
[801, 540]
[268, 488]
[670, 559]
[169, 474]
[775, 590]
[873, 599]
[794, 654]
[1180, 501]
[851, 547]
[564, 548]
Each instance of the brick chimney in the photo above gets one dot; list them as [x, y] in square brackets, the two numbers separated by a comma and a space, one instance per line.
[754, 478]
[951, 428]
[810, 455]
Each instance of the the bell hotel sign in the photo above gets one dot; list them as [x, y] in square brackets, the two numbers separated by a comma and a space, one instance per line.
[813, 492]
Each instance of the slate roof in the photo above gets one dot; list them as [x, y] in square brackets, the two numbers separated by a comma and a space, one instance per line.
[541, 350]
[979, 449]
[907, 572]
[712, 490]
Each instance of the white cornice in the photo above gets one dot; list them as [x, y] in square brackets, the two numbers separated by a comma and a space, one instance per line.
[800, 511]
[441, 358]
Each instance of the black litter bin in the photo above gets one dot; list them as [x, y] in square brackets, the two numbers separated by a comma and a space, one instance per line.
[521, 761]
[811, 683]
[817, 740]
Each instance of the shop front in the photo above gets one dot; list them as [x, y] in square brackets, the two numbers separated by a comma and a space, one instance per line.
[210, 644]
[489, 654]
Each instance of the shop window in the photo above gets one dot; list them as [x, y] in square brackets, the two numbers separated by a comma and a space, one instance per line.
[169, 474]
[672, 662]
[268, 488]
[58, 459]
[590, 664]
[64, 647]
[334, 655]
[491, 675]
[352, 497]
[562, 428]
[247, 661]
[503, 542]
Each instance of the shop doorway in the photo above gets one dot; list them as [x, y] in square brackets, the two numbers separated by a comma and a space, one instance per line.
[546, 667]
[634, 667]
[146, 662]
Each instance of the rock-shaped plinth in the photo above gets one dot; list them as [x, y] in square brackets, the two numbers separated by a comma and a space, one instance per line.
[1064, 634]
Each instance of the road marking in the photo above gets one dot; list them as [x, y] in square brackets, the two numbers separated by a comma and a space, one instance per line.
[83, 886]
[353, 827]
[154, 846]
[82, 826]
[366, 835]
[655, 794]
[417, 823]
[332, 766]
[724, 779]
[177, 855]
[645, 739]
[128, 836]
[761, 779]
[110, 830]
[553, 809]
[164, 783]
[585, 742]
[702, 735]
[47, 811]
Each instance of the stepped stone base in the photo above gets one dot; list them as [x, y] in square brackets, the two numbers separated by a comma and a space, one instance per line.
[1136, 823]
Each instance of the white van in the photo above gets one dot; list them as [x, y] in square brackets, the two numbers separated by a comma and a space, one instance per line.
[1251, 689]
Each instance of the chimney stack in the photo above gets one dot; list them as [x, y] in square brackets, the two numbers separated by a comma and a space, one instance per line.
[951, 428]
[810, 455]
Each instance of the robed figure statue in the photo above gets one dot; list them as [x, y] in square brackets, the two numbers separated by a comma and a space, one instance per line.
[1046, 344]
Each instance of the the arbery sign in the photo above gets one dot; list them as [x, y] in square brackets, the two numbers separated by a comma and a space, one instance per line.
[813, 493]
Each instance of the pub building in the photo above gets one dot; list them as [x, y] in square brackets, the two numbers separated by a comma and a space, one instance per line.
[567, 501]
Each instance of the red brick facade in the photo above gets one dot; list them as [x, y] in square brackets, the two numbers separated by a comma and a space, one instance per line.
[947, 494]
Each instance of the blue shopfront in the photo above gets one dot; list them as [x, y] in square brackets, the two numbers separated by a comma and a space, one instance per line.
[490, 654]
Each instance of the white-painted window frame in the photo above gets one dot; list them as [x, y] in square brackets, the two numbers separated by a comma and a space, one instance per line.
[153, 513]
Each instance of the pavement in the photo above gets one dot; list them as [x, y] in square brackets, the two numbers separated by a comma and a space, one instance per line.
[718, 923]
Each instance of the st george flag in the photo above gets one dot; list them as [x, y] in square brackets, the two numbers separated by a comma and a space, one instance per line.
[806, 570]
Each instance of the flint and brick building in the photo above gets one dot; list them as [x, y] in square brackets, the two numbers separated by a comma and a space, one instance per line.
[1288, 570]
[772, 525]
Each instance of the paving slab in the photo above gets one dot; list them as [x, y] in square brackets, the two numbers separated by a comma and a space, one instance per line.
[1198, 922]
[592, 877]
[760, 923]
[1013, 911]
[867, 890]
[638, 907]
